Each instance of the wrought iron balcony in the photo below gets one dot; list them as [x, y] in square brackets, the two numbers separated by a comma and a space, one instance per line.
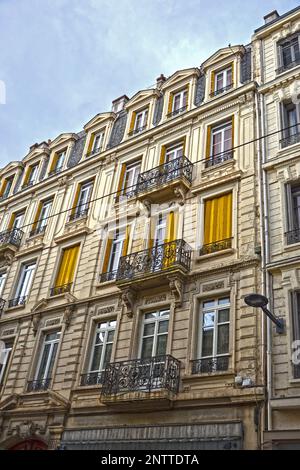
[28, 185]
[154, 260]
[18, 301]
[290, 140]
[93, 152]
[177, 111]
[55, 171]
[213, 247]
[221, 90]
[293, 236]
[79, 213]
[141, 375]
[179, 168]
[38, 231]
[218, 159]
[39, 385]
[137, 130]
[57, 290]
[11, 237]
[2, 305]
[288, 66]
[209, 365]
[92, 378]
[109, 276]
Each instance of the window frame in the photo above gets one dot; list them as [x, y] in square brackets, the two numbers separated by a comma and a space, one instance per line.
[5, 364]
[156, 321]
[108, 329]
[225, 83]
[22, 277]
[181, 94]
[41, 353]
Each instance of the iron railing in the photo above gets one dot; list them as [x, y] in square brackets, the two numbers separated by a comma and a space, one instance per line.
[28, 185]
[79, 213]
[180, 167]
[141, 375]
[290, 140]
[55, 171]
[39, 385]
[216, 246]
[288, 66]
[218, 159]
[177, 111]
[209, 365]
[221, 90]
[57, 290]
[109, 276]
[293, 236]
[2, 305]
[296, 371]
[93, 152]
[17, 301]
[12, 237]
[138, 130]
[92, 378]
[153, 260]
[38, 230]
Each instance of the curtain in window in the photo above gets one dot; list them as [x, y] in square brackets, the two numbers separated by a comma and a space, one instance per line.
[218, 219]
[67, 266]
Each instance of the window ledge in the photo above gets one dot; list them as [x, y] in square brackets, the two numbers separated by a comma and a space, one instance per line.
[105, 283]
[16, 307]
[230, 162]
[207, 375]
[291, 246]
[228, 251]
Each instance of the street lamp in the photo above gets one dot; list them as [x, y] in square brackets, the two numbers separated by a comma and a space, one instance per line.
[258, 300]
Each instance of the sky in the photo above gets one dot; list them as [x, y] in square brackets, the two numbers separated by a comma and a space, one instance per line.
[63, 61]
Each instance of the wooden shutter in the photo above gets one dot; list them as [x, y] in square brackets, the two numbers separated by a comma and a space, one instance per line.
[91, 143]
[3, 187]
[126, 241]
[12, 221]
[54, 161]
[132, 122]
[121, 180]
[27, 175]
[208, 142]
[107, 255]
[212, 82]
[218, 219]
[151, 233]
[232, 132]
[76, 198]
[232, 73]
[37, 215]
[171, 228]
[170, 104]
[162, 157]
[67, 266]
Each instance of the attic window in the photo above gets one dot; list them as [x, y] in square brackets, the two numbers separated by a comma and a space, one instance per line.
[221, 81]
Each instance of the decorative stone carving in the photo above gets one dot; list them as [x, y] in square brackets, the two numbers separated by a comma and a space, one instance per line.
[147, 207]
[26, 429]
[128, 298]
[7, 259]
[36, 319]
[176, 288]
[68, 312]
[180, 194]
[213, 286]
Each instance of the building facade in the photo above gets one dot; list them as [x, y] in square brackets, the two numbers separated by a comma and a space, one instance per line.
[126, 252]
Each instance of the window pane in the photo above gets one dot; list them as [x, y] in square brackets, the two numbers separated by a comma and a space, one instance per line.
[163, 326]
[224, 301]
[96, 358]
[150, 315]
[147, 347]
[223, 339]
[110, 336]
[149, 329]
[208, 320]
[53, 355]
[223, 315]
[207, 342]
[107, 355]
[208, 304]
[43, 363]
[161, 345]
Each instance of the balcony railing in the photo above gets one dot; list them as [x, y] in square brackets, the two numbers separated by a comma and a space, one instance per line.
[109, 276]
[17, 301]
[92, 378]
[180, 167]
[55, 171]
[93, 152]
[38, 230]
[137, 130]
[221, 90]
[154, 260]
[28, 185]
[290, 140]
[177, 111]
[57, 290]
[12, 237]
[2, 305]
[216, 246]
[218, 159]
[288, 66]
[293, 236]
[209, 365]
[79, 213]
[141, 375]
[39, 385]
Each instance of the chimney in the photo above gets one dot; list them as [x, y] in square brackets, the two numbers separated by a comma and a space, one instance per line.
[272, 16]
[119, 103]
[160, 80]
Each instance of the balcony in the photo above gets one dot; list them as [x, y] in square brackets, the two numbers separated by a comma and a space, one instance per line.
[214, 160]
[221, 90]
[58, 290]
[79, 213]
[37, 231]
[10, 241]
[93, 152]
[137, 130]
[153, 262]
[40, 385]
[92, 378]
[109, 276]
[160, 182]
[141, 379]
[17, 302]
[210, 365]
[28, 185]
[177, 111]
[290, 140]
[214, 247]
[55, 171]
[293, 236]
[288, 66]
[2, 305]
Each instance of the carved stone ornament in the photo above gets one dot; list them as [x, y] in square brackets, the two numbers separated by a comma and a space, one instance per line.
[176, 288]
[68, 312]
[26, 429]
[7, 259]
[128, 298]
[36, 319]
[147, 207]
[180, 194]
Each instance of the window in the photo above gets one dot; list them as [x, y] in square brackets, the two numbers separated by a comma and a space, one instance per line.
[115, 248]
[41, 217]
[24, 284]
[95, 143]
[2, 282]
[46, 361]
[173, 152]
[178, 102]
[217, 224]
[222, 80]
[6, 187]
[213, 345]
[82, 199]
[4, 359]
[154, 334]
[163, 229]
[16, 220]
[295, 304]
[128, 180]
[31, 175]
[101, 353]
[290, 124]
[219, 144]
[66, 272]
[138, 121]
[58, 162]
[293, 212]
[289, 53]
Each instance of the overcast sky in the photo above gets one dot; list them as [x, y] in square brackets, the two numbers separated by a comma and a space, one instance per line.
[63, 61]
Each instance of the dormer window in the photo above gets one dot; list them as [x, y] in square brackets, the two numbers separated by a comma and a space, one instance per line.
[58, 162]
[95, 144]
[222, 80]
[138, 122]
[289, 53]
[6, 187]
[177, 102]
[31, 176]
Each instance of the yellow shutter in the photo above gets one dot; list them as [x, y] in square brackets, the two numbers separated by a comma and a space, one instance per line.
[37, 216]
[232, 73]
[3, 186]
[162, 157]
[107, 255]
[54, 161]
[232, 132]
[170, 104]
[67, 267]
[27, 175]
[187, 94]
[132, 122]
[172, 222]
[208, 141]
[126, 241]
[76, 198]
[91, 143]
[11, 221]
[218, 219]
[151, 233]
[121, 180]
[212, 82]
